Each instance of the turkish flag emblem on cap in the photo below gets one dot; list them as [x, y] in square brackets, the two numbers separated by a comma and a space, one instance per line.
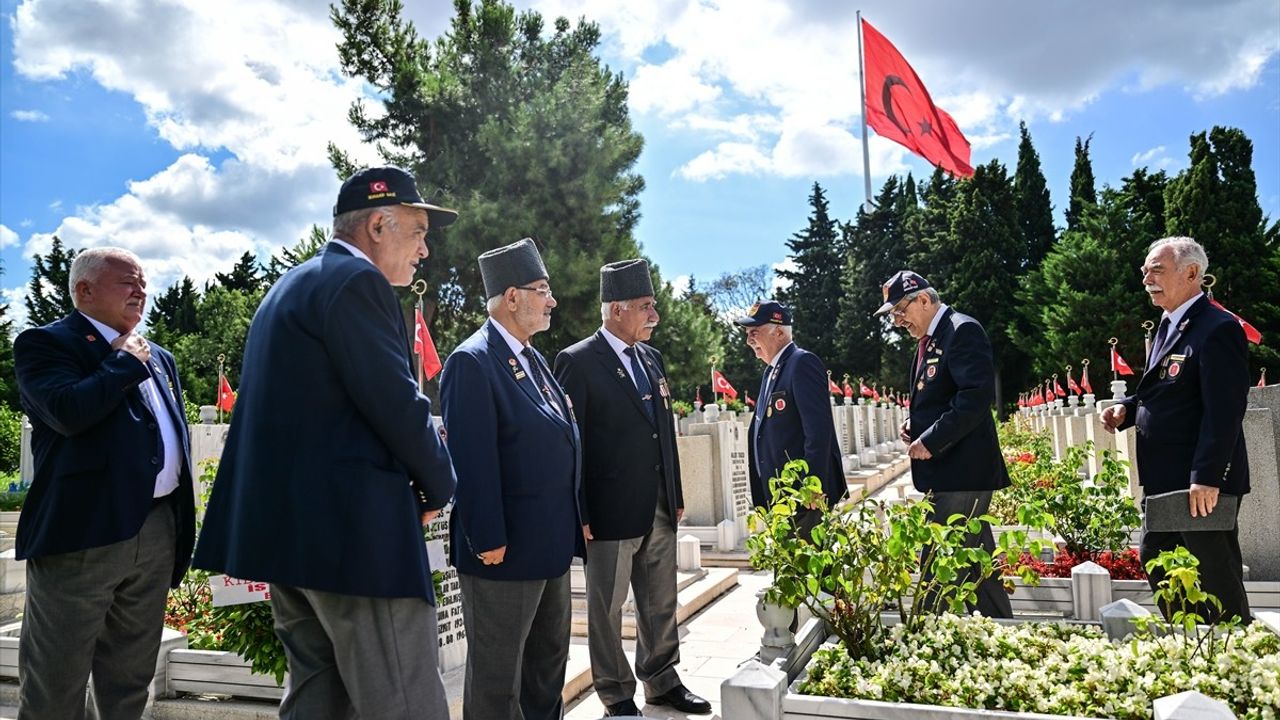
[378, 186]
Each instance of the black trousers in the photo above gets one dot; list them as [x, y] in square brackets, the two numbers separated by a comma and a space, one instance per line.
[993, 601]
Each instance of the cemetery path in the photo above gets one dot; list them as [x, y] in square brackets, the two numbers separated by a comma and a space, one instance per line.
[713, 644]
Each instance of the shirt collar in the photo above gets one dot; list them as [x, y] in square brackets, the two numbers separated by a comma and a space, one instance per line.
[352, 249]
[108, 333]
[937, 318]
[618, 346]
[781, 352]
[1175, 317]
[512, 342]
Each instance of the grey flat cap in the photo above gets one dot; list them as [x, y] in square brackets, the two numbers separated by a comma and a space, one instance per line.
[511, 266]
[625, 280]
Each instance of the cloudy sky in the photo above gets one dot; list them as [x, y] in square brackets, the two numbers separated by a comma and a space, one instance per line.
[192, 131]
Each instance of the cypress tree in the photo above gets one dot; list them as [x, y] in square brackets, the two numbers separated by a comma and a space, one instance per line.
[814, 290]
[1083, 189]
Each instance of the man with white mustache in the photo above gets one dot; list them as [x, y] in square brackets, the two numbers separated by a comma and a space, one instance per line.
[1189, 409]
[632, 496]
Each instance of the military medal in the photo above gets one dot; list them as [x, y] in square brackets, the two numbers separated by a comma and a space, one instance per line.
[662, 388]
[515, 369]
[920, 385]
[779, 404]
[931, 371]
[1174, 368]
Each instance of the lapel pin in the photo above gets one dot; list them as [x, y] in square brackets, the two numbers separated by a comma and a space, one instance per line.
[90, 338]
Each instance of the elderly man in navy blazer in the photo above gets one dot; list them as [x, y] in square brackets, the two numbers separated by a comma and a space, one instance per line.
[633, 494]
[954, 452]
[109, 521]
[793, 419]
[1189, 409]
[516, 526]
[333, 465]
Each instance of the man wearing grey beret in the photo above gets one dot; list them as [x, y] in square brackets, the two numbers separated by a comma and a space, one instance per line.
[631, 494]
[516, 525]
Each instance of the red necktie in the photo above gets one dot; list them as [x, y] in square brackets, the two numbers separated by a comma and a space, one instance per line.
[920, 353]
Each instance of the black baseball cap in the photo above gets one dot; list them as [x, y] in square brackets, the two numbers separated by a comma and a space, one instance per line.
[902, 284]
[765, 313]
[376, 187]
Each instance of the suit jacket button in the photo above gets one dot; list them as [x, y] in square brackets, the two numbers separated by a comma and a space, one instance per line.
[155, 461]
[655, 436]
[151, 426]
[657, 468]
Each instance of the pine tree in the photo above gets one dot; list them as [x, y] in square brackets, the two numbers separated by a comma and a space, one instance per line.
[174, 312]
[1215, 201]
[814, 290]
[48, 295]
[1083, 189]
[245, 276]
[523, 130]
[8, 380]
[1035, 212]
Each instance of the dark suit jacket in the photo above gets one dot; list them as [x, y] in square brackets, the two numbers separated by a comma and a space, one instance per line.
[625, 454]
[332, 454]
[518, 464]
[795, 423]
[1189, 406]
[952, 392]
[95, 442]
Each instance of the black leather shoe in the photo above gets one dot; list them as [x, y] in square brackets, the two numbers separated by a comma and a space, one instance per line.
[626, 708]
[681, 699]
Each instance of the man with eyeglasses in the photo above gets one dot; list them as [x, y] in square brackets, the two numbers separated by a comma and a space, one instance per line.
[516, 524]
[793, 419]
[955, 455]
[632, 494]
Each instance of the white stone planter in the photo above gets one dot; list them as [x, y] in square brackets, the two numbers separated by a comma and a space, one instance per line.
[220, 672]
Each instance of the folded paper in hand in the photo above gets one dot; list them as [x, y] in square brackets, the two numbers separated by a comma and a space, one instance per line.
[1171, 512]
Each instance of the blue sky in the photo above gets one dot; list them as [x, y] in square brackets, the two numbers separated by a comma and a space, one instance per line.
[194, 131]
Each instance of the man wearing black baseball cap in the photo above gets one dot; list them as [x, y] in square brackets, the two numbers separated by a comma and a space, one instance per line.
[954, 452]
[793, 418]
[333, 464]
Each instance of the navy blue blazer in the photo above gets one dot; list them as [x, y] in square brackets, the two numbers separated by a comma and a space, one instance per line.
[1189, 406]
[518, 464]
[795, 423]
[332, 455]
[95, 442]
[952, 392]
[626, 455]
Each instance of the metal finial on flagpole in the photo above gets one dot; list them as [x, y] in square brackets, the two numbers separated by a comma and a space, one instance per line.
[1148, 326]
[714, 360]
[1208, 282]
[1115, 373]
[222, 359]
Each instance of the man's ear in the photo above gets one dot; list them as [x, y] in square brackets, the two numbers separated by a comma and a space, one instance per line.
[374, 225]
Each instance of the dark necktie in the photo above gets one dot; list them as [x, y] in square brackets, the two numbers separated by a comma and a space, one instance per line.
[1158, 345]
[539, 379]
[920, 352]
[642, 382]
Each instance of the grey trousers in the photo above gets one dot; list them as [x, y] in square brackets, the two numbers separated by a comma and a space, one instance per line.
[517, 647]
[98, 611]
[993, 601]
[647, 564]
[352, 656]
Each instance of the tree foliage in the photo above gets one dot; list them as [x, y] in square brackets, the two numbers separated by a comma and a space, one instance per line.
[813, 286]
[48, 295]
[1083, 188]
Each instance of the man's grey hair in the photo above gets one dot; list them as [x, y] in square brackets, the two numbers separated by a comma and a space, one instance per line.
[1186, 251]
[932, 293]
[607, 307]
[90, 262]
[492, 304]
[345, 225]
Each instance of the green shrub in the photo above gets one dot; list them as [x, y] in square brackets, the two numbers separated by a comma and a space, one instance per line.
[10, 439]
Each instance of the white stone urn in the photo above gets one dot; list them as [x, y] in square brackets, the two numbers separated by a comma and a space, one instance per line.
[778, 638]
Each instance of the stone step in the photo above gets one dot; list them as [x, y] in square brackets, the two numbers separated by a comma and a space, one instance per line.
[690, 598]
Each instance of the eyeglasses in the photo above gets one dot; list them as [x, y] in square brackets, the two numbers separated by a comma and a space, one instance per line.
[544, 292]
[899, 312]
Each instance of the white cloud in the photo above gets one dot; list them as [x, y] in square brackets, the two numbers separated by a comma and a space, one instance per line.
[8, 237]
[792, 67]
[780, 283]
[15, 298]
[29, 116]
[56, 205]
[262, 86]
[1155, 156]
[680, 286]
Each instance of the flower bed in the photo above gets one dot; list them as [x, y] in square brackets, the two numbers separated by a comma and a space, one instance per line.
[973, 662]
[1123, 565]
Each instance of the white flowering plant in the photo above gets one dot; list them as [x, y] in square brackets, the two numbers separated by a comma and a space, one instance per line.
[973, 662]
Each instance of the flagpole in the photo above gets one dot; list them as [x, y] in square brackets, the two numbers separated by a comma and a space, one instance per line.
[713, 380]
[222, 358]
[1115, 372]
[419, 287]
[862, 93]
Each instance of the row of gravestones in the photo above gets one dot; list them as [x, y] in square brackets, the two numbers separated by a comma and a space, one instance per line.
[1075, 422]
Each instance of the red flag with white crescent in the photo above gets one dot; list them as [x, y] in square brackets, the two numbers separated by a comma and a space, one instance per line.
[1084, 380]
[722, 386]
[1118, 364]
[1251, 333]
